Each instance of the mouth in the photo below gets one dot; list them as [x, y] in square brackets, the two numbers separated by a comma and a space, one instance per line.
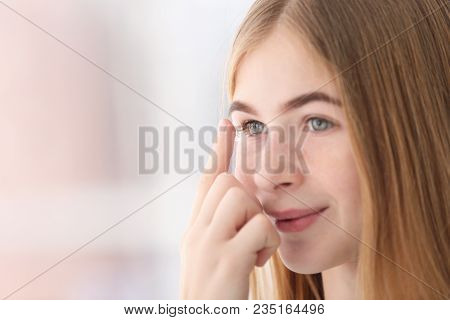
[293, 214]
[296, 220]
[301, 217]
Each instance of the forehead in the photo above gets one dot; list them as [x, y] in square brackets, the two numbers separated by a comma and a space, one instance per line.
[278, 69]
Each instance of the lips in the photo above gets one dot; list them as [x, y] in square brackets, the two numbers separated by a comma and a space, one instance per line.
[291, 214]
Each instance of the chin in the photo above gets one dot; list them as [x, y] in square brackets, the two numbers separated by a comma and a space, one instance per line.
[301, 268]
[304, 261]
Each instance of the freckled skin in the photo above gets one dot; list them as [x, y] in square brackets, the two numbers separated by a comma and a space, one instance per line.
[279, 69]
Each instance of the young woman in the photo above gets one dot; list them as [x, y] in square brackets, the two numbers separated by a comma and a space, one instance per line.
[362, 211]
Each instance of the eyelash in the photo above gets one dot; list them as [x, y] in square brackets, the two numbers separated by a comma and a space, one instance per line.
[243, 127]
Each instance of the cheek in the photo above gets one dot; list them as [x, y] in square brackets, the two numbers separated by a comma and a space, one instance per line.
[331, 164]
[247, 180]
[249, 152]
[245, 161]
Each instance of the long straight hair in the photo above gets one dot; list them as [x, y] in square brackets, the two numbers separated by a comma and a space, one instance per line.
[390, 60]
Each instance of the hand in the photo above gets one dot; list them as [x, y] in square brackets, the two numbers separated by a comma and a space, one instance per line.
[228, 233]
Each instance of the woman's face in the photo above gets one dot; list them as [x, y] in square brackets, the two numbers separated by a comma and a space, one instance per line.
[301, 156]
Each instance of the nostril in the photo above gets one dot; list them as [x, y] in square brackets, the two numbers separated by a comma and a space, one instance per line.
[285, 184]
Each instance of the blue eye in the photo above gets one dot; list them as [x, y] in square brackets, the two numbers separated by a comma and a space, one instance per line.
[319, 124]
[253, 127]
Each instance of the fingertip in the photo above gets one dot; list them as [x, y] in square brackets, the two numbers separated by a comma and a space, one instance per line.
[226, 126]
[225, 141]
[223, 122]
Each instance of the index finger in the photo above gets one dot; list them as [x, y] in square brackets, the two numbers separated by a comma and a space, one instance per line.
[218, 162]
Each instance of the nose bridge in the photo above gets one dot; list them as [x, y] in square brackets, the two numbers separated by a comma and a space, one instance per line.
[277, 147]
[279, 160]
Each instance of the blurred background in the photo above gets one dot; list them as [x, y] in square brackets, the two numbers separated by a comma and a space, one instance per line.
[77, 80]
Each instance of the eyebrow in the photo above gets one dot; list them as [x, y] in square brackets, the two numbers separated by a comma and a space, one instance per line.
[297, 102]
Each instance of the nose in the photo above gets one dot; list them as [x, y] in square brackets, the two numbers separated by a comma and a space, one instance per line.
[280, 165]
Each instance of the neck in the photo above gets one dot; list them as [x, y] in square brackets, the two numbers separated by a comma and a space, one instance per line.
[339, 283]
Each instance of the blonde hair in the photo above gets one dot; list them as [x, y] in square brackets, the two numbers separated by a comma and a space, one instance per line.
[390, 62]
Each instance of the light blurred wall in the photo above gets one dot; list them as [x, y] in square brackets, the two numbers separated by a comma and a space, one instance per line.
[76, 82]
